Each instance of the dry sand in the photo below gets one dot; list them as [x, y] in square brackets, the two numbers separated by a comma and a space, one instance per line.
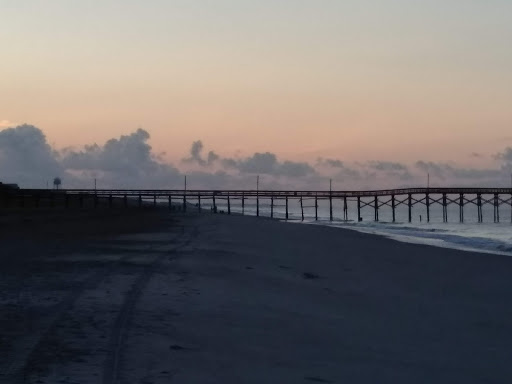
[231, 299]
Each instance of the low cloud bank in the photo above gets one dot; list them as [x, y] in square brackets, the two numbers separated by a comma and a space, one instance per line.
[259, 163]
[26, 157]
[128, 161]
[124, 162]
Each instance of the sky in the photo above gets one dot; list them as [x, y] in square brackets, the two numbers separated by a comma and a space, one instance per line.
[361, 82]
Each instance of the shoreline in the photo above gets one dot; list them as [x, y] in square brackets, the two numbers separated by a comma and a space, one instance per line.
[426, 241]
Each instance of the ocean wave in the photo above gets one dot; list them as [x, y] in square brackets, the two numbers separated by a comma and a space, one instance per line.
[491, 238]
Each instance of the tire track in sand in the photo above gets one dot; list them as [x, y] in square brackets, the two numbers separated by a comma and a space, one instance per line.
[111, 372]
[15, 370]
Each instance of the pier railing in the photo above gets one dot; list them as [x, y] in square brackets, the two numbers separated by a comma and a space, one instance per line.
[288, 193]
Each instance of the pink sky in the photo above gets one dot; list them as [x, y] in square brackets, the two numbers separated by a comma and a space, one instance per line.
[352, 80]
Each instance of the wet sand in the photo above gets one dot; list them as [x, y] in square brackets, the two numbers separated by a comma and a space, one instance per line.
[231, 299]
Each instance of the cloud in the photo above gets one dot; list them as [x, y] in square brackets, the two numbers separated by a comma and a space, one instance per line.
[296, 169]
[346, 173]
[126, 161]
[506, 160]
[26, 157]
[265, 163]
[387, 166]
[435, 169]
[390, 169]
[338, 170]
[334, 163]
[195, 155]
[506, 155]
[452, 173]
[212, 157]
[268, 163]
[367, 171]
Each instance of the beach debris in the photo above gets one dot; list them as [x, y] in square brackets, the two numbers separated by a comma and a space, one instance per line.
[317, 379]
[309, 275]
[177, 347]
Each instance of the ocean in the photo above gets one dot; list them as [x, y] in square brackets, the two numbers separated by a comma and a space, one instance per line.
[487, 236]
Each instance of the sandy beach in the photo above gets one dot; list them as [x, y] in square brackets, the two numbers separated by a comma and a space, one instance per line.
[150, 297]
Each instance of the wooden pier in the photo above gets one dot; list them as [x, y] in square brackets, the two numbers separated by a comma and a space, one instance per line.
[376, 201]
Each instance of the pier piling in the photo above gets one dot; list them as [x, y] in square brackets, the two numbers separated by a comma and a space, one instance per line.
[330, 207]
[410, 206]
[496, 208]
[479, 207]
[445, 209]
[393, 207]
[257, 204]
[461, 208]
[427, 202]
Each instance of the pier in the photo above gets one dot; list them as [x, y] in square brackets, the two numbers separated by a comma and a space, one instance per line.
[375, 201]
